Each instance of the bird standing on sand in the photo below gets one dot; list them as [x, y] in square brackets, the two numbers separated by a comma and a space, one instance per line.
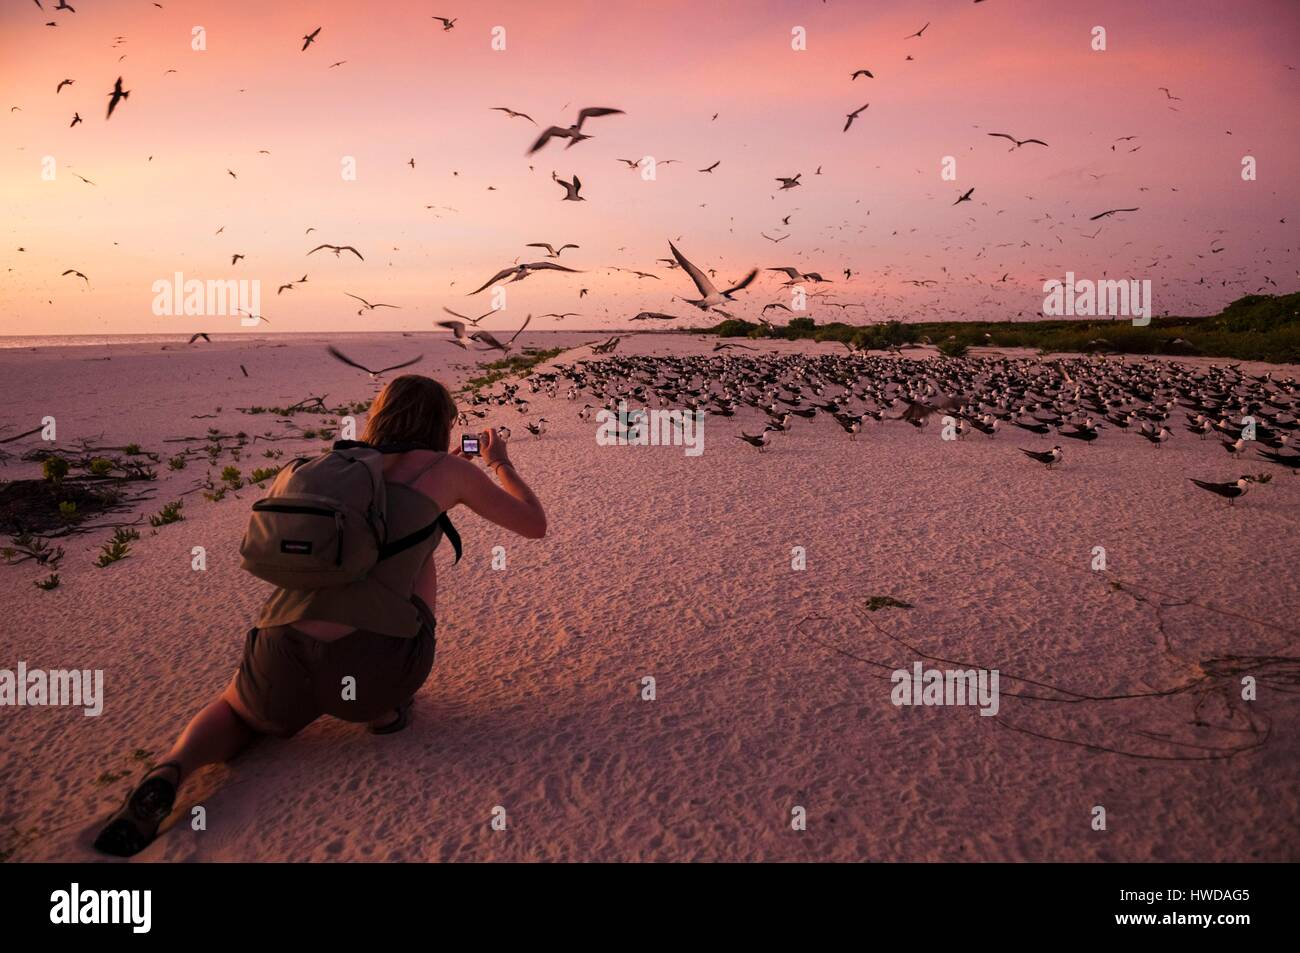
[760, 441]
[1049, 458]
[1291, 460]
[1157, 437]
[1229, 491]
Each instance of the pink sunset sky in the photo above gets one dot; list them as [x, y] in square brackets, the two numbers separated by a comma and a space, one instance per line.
[409, 89]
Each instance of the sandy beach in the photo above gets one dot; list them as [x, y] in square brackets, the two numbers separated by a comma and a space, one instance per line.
[772, 684]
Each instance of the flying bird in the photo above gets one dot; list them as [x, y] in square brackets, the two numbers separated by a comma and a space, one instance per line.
[966, 196]
[514, 115]
[307, 40]
[367, 306]
[861, 72]
[336, 249]
[712, 167]
[475, 321]
[446, 23]
[918, 32]
[73, 271]
[520, 272]
[570, 188]
[852, 116]
[573, 133]
[550, 249]
[482, 337]
[1110, 212]
[1018, 142]
[339, 355]
[795, 275]
[789, 183]
[66, 82]
[116, 96]
[710, 298]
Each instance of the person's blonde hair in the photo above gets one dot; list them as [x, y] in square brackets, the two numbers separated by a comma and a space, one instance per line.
[412, 409]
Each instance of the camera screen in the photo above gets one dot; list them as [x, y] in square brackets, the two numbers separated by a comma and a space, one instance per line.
[469, 444]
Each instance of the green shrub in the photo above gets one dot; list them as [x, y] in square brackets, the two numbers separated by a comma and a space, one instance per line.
[54, 469]
[170, 513]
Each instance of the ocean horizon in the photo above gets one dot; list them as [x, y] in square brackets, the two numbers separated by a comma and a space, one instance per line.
[18, 341]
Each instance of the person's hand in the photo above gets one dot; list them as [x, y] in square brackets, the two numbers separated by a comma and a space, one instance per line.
[493, 447]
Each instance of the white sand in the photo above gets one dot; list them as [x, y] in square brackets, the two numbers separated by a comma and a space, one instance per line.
[658, 564]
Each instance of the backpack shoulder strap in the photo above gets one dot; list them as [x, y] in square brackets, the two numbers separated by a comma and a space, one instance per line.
[443, 522]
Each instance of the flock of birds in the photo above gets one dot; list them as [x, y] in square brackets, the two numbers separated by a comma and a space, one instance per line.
[1081, 399]
[888, 305]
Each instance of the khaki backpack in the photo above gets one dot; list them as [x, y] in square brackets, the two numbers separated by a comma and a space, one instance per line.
[324, 520]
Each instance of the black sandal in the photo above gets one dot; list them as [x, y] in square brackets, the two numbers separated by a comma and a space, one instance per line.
[398, 723]
[135, 825]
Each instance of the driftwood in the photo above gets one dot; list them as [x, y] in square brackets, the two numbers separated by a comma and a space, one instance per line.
[21, 435]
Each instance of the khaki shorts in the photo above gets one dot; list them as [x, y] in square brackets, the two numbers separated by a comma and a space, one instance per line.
[287, 679]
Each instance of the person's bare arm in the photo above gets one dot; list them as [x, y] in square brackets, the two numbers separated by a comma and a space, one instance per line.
[511, 505]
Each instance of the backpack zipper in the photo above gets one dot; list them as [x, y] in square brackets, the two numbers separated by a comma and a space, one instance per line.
[263, 505]
[268, 506]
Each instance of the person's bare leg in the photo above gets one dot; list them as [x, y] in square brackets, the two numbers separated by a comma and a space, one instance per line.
[217, 733]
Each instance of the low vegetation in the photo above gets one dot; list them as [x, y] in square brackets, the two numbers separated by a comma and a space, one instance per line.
[1254, 328]
[519, 365]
